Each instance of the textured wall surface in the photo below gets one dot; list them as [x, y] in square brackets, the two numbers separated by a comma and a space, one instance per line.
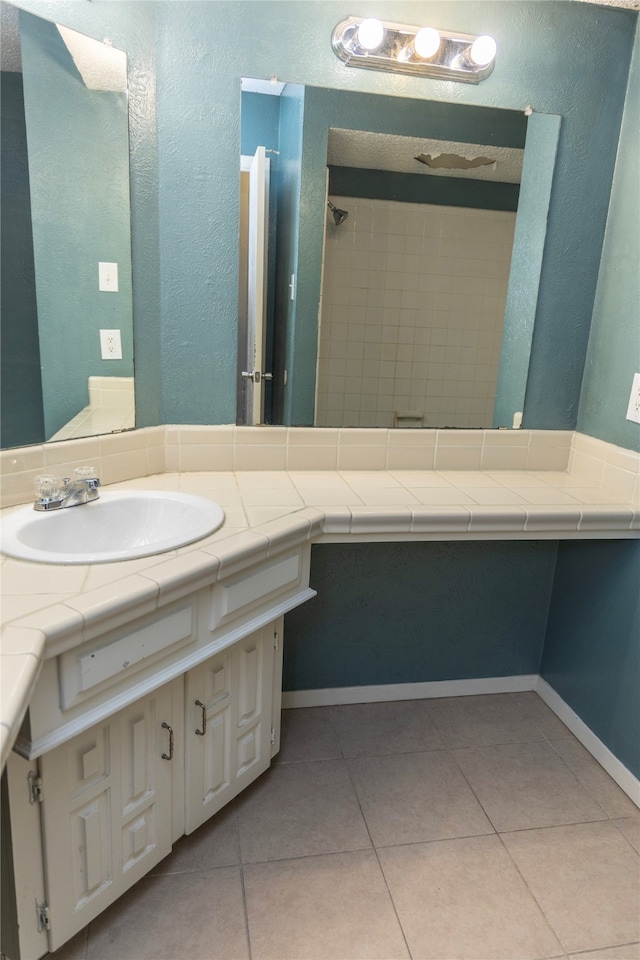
[592, 654]
[614, 345]
[198, 139]
[399, 613]
[78, 169]
[130, 27]
[186, 342]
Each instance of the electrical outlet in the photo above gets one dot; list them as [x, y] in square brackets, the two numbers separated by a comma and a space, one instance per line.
[633, 410]
[110, 345]
[107, 277]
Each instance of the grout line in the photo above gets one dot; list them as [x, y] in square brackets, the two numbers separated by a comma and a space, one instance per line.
[530, 891]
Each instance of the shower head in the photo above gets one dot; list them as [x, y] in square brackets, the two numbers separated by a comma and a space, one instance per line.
[338, 215]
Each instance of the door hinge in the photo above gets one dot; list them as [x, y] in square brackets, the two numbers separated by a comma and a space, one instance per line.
[276, 640]
[273, 735]
[42, 912]
[36, 794]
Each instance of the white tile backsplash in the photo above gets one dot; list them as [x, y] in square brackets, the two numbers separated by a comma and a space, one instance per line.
[225, 448]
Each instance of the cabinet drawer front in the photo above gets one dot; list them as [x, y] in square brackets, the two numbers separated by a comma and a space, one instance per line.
[246, 591]
[92, 667]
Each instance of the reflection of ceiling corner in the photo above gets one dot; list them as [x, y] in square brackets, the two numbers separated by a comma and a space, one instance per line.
[364, 149]
[100, 65]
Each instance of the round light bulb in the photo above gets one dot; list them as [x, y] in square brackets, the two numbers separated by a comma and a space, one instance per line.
[483, 50]
[426, 42]
[370, 34]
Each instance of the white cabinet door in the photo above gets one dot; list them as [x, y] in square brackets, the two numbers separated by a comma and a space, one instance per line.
[228, 726]
[106, 811]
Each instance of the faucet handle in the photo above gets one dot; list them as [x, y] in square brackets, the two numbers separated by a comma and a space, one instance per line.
[49, 492]
[85, 473]
[48, 487]
[88, 476]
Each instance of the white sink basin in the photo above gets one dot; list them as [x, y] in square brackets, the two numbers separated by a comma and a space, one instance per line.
[120, 525]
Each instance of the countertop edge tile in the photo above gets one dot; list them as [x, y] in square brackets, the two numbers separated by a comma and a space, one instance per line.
[18, 639]
[488, 517]
[111, 606]
[440, 518]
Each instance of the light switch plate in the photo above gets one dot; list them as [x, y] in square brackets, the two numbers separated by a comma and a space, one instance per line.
[633, 410]
[107, 277]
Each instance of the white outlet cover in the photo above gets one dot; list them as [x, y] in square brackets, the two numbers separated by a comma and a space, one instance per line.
[633, 410]
[110, 345]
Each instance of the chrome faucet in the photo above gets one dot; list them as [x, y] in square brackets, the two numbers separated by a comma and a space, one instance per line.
[55, 494]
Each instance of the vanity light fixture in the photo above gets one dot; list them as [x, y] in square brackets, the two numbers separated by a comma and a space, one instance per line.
[423, 51]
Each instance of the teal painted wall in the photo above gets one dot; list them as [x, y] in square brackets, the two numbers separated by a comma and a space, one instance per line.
[408, 612]
[131, 27]
[525, 276]
[614, 344]
[185, 273]
[20, 385]
[592, 650]
[198, 140]
[78, 154]
[260, 114]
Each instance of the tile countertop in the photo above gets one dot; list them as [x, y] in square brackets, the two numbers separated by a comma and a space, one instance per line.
[266, 511]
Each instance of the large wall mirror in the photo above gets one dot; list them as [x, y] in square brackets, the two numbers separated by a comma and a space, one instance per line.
[405, 245]
[66, 234]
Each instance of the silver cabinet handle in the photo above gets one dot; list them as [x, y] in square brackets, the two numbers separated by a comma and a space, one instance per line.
[168, 756]
[201, 733]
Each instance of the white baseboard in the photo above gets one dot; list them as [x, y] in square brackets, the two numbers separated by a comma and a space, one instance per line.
[378, 693]
[407, 691]
[625, 779]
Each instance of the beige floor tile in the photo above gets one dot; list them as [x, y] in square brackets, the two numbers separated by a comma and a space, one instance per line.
[524, 785]
[307, 734]
[586, 879]
[373, 729]
[194, 915]
[74, 949]
[627, 951]
[629, 827]
[298, 810]
[536, 710]
[214, 844]
[595, 779]
[492, 718]
[415, 797]
[322, 908]
[465, 899]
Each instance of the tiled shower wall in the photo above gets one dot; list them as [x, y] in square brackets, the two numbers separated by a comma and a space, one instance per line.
[412, 312]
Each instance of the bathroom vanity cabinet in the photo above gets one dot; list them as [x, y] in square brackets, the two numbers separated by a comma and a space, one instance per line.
[135, 738]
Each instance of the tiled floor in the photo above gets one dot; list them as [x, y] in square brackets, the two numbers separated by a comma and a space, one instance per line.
[475, 828]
